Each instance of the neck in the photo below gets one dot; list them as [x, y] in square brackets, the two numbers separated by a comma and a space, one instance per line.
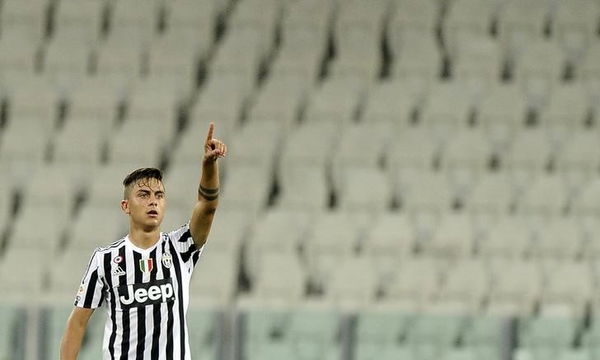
[143, 238]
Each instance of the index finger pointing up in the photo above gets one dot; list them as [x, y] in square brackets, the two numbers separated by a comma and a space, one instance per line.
[211, 130]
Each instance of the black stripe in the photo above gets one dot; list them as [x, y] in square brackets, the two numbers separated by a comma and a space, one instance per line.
[184, 237]
[177, 268]
[185, 256]
[112, 304]
[155, 314]
[125, 311]
[141, 311]
[195, 257]
[113, 245]
[167, 274]
[87, 268]
[91, 289]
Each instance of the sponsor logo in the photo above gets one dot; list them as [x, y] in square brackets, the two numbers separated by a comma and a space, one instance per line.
[118, 259]
[146, 265]
[167, 260]
[118, 271]
[137, 295]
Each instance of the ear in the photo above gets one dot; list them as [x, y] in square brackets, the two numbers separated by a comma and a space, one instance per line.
[125, 206]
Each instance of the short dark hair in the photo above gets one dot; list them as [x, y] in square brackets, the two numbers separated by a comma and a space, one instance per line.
[141, 174]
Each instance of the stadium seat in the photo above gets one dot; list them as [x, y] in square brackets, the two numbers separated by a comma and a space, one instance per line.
[85, 233]
[66, 275]
[97, 98]
[510, 237]
[586, 202]
[336, 101]
[280, 100]
[89, 136]
[71, 17]
[464, 288]
[424, 192]
[246, 151]
[272, 287]
[64, 57]
[30, 19]
[415, 283]
[412, 149]
[538, 69]
[522, 23]
[241, 53]
[561, 238]
[465, 158]
[312, 143]
[247, 188]
[567, 109]
[453, 238]
[106, 189]
[392, 102]
[568, 291]
[548, 196]
[467, 17]
[531, 151]
[19, 161]
[574, 25]
[301, 54]
[27, 292]
[502, 113]
[579, 157]
[446, 111]
[313, 333]
[304, 187]
[121, 151]
[138, 21]
[486, 331]
[417, 56]
[476, 56]
[208, 289]
[24, 236]
[492, 196]
[516, 287]
[273, 235]
[120, 57]
[18, 52]
[387, 242]
[188, 17]
[410, 14]
[432, 335]
[353, 284]
[360, 146]
[547, 334]
[11, 330]
[334, 237]
[205, 332]
[228, 232]
[379, 329]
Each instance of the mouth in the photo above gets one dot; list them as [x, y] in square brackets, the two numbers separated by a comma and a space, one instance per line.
[152, 213]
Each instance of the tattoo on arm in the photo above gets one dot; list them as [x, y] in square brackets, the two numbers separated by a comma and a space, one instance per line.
[208, 194]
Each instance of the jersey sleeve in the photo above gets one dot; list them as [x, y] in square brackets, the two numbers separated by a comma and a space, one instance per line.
[91, 290]
[184, 244]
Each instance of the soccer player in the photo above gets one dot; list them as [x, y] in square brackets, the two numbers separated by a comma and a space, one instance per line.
[144, 277]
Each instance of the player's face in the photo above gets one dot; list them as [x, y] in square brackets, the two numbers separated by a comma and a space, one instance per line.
[146, 203]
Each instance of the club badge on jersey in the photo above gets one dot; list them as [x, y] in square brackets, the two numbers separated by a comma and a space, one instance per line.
[167, 260]
[146, 265]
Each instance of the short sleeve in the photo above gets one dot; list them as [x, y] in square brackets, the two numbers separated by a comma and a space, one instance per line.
[91, 290]
[184, 244]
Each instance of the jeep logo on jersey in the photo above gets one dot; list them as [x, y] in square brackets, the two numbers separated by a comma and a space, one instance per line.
[134, 295]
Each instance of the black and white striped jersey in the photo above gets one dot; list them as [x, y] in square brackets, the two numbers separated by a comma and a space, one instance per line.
[146, 293]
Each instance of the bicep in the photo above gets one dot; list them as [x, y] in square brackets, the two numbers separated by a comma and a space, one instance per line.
[80, 316]
[201, 221]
